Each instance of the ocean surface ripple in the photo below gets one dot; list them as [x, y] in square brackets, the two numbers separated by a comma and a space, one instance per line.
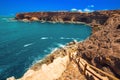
[24, 43]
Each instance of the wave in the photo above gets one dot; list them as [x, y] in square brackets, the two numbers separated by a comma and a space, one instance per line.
[5, 19]
[26, 45]
[44, 37]
[53, 50]
[54, 47]
[36, 60]
[12, 20]
[50, 50]
[64, 38]
[69, 38]
[60, 45]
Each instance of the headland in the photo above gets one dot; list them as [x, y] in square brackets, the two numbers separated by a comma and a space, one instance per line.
[101, 49]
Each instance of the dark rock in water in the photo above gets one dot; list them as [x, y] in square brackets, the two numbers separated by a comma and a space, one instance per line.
[21, 16]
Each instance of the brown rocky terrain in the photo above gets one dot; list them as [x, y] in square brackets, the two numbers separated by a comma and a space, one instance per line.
[97, 17]
[72, 73]
[102, 49]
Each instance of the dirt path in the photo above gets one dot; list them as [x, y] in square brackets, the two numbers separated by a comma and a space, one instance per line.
[72, 73]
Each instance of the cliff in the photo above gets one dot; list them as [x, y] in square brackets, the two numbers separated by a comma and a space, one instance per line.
[99, 17]
[102, 49]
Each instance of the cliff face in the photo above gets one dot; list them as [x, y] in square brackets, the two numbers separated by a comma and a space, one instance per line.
[99, 17]
[102, 49]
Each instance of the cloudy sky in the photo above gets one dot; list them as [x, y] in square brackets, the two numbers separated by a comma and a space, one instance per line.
[11, 7]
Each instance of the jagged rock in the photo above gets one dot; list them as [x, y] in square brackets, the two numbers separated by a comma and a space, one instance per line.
[106, 52]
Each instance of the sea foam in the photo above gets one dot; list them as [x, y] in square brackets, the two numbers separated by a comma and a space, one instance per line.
[5, 19]
[44, 37]
[69, 38]
[26, 45]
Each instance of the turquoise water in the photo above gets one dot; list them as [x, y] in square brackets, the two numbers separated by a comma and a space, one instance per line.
[23, 43]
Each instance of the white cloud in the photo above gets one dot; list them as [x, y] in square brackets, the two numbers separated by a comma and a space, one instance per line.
[74, 9]
[105, 9]
[91, 6]
[88, 10]
[80, 10]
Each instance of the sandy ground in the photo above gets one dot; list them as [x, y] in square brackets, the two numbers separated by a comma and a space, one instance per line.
[72, 73]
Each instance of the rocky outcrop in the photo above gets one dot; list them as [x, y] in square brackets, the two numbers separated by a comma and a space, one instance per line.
[102, 49]
[96, 17]
[48, 72]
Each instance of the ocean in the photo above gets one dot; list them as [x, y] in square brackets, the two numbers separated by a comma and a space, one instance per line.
[24, 43]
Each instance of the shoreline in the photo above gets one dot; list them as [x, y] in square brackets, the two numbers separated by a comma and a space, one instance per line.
[53, 22]
[52, 55]
[101, 48]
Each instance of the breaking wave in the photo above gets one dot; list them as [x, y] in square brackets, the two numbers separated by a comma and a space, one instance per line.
[54, 47]
[5, 19]
[69, 38]
[26, 45]
[44, 37]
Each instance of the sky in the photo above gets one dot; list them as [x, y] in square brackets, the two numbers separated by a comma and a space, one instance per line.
[11, 7]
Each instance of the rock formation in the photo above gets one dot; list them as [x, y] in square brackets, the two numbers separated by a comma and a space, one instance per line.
[100, 18]
[48, 72]
[102, 49]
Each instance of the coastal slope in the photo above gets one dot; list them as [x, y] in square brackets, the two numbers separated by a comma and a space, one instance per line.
[101, 49]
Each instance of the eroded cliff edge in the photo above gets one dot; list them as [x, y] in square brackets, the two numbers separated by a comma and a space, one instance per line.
[102, 49]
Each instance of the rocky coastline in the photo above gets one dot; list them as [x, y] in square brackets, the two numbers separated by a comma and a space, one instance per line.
[101, 49]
